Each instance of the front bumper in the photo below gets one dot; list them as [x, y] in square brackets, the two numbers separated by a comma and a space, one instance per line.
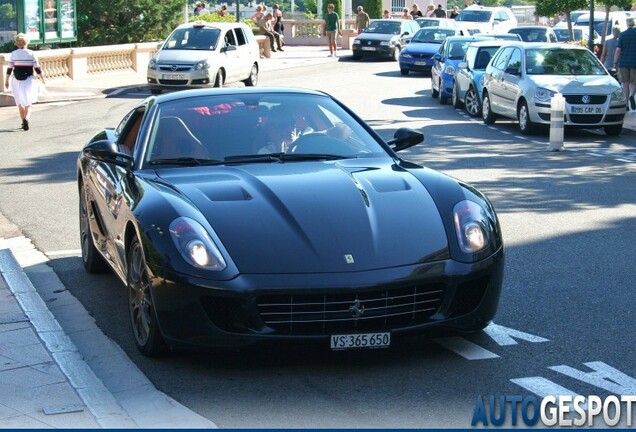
[253, 309]
[176, 80]
[373, 51]
[582, 115]
[416, 64]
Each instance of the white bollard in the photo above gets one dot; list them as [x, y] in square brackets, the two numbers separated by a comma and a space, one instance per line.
[557, 113]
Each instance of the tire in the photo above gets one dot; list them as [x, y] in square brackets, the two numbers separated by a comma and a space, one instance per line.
[143, 317]
[487, 115]
[613, 130]
[404, 72]
[456, 102]
[396, 53]
[443, 100]
[526, 125]
[434, 93]
[252, 80]
[155, 91]
[93, 261]
[356, 57]
[471, 102]
[219, 79]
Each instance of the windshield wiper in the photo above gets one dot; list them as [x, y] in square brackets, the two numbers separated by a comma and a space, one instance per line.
[280, 157]
[184, 161]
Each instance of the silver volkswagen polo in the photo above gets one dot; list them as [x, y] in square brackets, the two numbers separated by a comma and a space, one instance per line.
[521, 79]
[202, 54]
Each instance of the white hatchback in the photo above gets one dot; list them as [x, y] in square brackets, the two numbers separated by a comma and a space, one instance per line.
[202, 54]
[522, 78]
[481, 19]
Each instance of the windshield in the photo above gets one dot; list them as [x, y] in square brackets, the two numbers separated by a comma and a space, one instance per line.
[474, 16]
[385, 27]
[563, 35]
[531, 34]
[456, 50]
[423, 22]
[562, 62]
[236, 128]
[192, 39]
[598, 25]
[436, 36]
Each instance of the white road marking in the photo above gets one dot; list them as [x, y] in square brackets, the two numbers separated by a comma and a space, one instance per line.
[503, 336]
[521, 137]
[604, 376]
[70, 252]
[466, 349]
[506, 132]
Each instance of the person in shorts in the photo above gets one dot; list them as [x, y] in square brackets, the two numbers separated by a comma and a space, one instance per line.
[331, 28]
[625, 59]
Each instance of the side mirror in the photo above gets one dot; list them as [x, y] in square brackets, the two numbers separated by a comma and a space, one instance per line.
[229, 48]
[463, 65]
[437, 57]
[108, 152]
[405, 138]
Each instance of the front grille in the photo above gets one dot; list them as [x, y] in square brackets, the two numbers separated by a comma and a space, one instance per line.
[422, 56]
[366, 43]
[578, 99]
[379, 310]
[177, 68]
[173, 82]
[586, 118]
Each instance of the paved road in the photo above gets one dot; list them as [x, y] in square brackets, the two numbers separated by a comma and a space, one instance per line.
[568, 222]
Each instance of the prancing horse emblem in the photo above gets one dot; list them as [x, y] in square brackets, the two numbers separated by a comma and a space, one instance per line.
[357, 310]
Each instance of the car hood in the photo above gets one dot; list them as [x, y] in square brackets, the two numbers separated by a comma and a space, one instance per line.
[181, 56]
[577, 84]
[314, 217]
[421, 48]
[376, 37]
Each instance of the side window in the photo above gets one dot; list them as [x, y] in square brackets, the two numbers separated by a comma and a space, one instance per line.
[240, 36]
[514, 65]
[553, 38]
[128, 130]
[502, 58]
[229, 38]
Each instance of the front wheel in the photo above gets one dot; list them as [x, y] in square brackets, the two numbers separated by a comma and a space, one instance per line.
[140, 304]
[527, 126]
[613, 130]
[219, 79]
[456, 102]
[487, 115]
[252, 80]
[434, 93]
[442, 99]
[404, 72]
[396, 53]
[473, 108]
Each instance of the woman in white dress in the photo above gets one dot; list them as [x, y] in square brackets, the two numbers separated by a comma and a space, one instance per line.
[22, 67]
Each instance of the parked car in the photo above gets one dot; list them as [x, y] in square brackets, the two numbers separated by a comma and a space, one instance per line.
[445, 63]
[522, 78]
[482, 19]
[417, 56]
[499, 36]
[579, 33]
[202, 54]
[384, 38]
[617, 18]
[534, 33]
[470, 73]
[436, 22]
[241, 216]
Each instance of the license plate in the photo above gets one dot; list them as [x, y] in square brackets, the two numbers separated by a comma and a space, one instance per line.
[174, 76]
[368, 48]
[586, 110]
[421, 63]
[360, 340]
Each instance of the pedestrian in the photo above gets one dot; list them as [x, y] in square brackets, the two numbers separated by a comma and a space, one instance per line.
[22, 65]
[430, 11]
[454, 12]
[279, 27]
[197, 8]
[265, 24]
[257, 15]
[222, 10]
[362, 19]
[405, 14]
[386, 14]
[416, 12]
[625, 59]
[440, 12]
[609, 49]
[331, 28]
[203, 10]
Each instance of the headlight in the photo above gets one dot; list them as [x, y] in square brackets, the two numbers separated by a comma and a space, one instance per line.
[543, 95]
[195, 244]
[450, 70]
[405, 55]
[356, 42]
[203, 64]
[471, 225]
[618, 96]
[152, 64]
[386, 43]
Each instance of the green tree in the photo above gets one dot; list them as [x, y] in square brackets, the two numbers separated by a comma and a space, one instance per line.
[126, 21]
[620, 4]
[550, 8]
[373, 8]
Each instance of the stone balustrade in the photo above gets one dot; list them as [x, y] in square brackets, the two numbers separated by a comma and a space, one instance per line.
[82, 63]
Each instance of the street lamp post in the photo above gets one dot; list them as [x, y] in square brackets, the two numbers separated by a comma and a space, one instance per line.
[590, 40]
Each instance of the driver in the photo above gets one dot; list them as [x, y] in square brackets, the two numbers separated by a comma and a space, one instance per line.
[280, 130]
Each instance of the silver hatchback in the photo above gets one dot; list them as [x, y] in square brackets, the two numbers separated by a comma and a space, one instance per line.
[202, 54]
